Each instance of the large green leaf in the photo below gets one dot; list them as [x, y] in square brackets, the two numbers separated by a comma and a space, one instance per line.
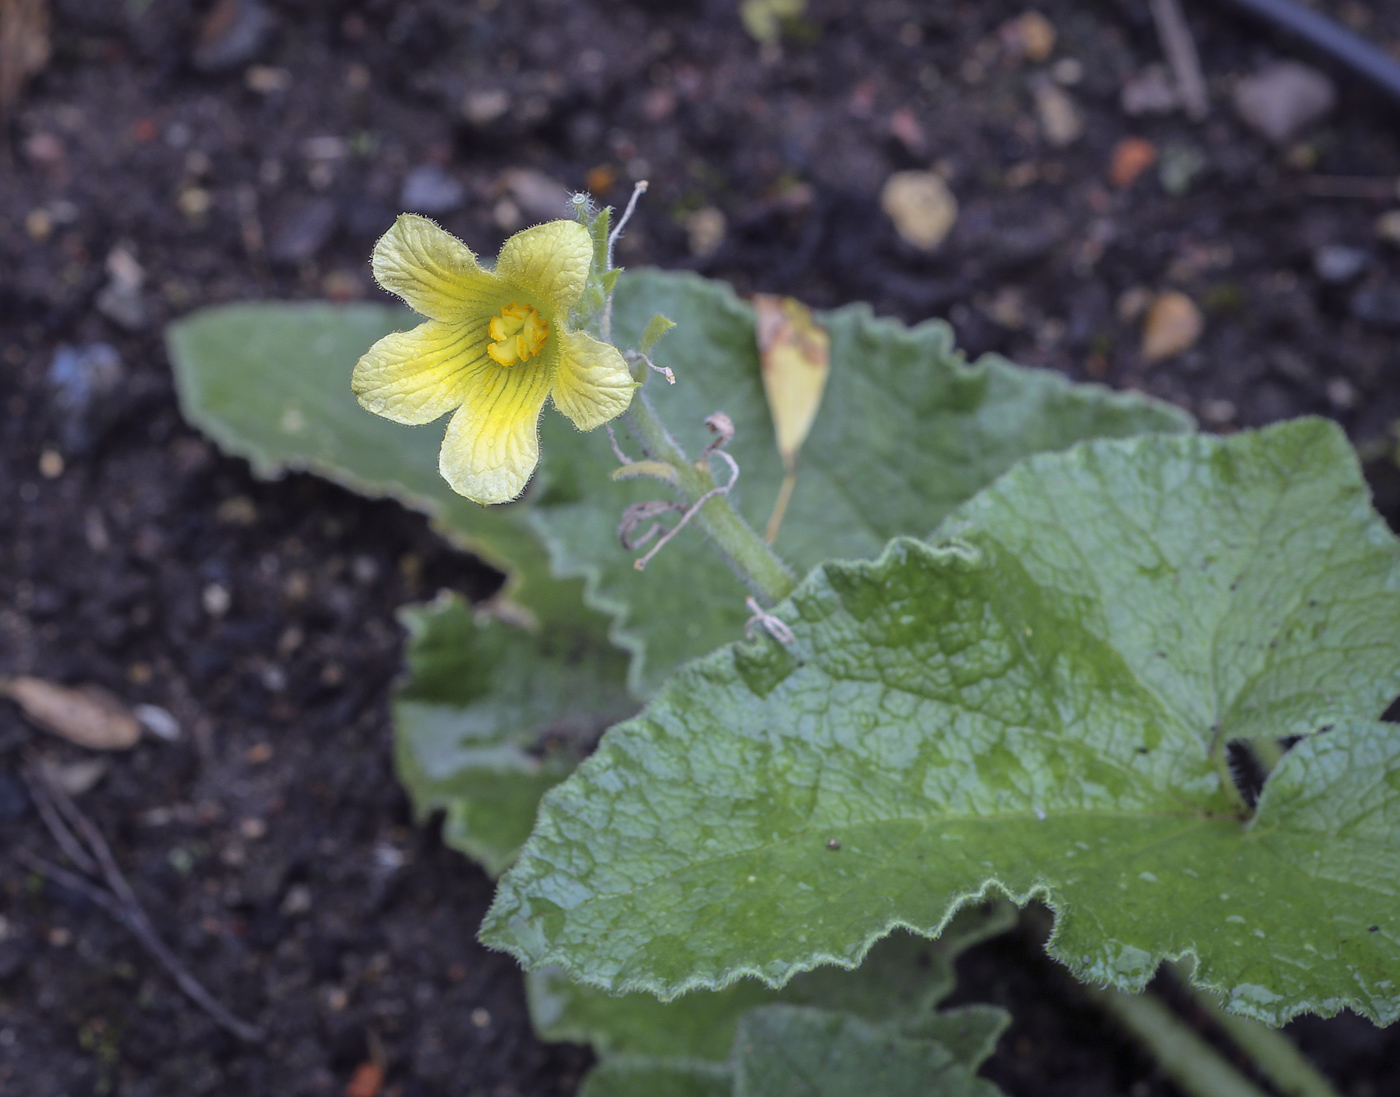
[270, 382]
[900, 981]
[491, 716]
[792, 1051]
[906, 431]
[1036, 703]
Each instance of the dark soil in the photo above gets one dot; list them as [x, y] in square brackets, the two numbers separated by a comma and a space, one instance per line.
[270, 843]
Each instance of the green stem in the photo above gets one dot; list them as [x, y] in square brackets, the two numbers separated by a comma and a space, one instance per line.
[1275, 1056]
[749, 555]
[1196, 1067]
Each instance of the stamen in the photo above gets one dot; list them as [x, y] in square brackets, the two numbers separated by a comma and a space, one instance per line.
[520, 333]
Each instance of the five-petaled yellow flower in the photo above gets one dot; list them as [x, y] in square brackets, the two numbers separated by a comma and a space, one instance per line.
[496, 343]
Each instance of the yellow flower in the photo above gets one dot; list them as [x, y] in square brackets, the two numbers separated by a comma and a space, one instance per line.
[496, 343]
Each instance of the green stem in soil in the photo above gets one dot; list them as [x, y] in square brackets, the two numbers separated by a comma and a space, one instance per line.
[748, 554]
[1196, 1067]
[1273, 1053]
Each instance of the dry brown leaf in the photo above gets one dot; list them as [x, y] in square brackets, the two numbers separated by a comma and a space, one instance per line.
[794, 351]
[24, 46]
[1173, 325]
[921, 206]
[86, 715]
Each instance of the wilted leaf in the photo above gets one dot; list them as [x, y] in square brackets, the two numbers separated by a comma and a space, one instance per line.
[87, 715]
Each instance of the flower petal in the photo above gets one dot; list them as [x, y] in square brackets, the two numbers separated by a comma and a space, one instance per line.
[434, 272]
[551, 261]
[415, 376]
[592, 383]
[492, 444]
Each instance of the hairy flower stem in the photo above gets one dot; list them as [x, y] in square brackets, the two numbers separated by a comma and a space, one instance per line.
[1196, 1067]
[747, 553]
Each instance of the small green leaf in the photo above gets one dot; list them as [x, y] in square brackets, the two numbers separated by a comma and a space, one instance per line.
[656, 327]
[1034, 704]
[270, 382]
[782, 1050]
[490, 717]
[900, 981]
[635, 1076]
[905, 432]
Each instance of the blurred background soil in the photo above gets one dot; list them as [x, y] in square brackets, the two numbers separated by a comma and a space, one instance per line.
[167, 155]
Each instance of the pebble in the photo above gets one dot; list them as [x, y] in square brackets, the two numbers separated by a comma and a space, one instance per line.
[232, 34]
[158, 722]
[1338, 264]
[1341, 393]
[485, 105]
[303, 231]
[922, 207]
[1030, 35]
[1150, 91]
[1378, 305]
[1131, 157]
[536, 195]
[216, 599]
[1173, 325]
[431, 189]
[76, 778]
[85, 380]
[1061, 122]
[120, 299]
[1178, 167]
[1283, 98]
[705, 229]
[1388, 227]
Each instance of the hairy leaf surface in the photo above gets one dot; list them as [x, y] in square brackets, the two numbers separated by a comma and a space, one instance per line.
[1036, 703]
[905, 431]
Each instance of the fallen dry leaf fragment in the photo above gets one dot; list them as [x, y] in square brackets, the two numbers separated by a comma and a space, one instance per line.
[1131, 157]
[921, 206]
[24, 46]
[1173, 325]
[86, 715]
[793, 350]
[367, 1081]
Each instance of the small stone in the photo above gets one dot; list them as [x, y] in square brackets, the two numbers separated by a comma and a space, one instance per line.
[50, 464]
[431, 189]
[922, 207]
[1030, 35]
[158, 722]
[75, 778]
[237, 510]
[1218, 412]
[1388, 227]
[266, 79]
[1341, 393]
[484, 106]
[506, 215]
[705, 229]
[216, 599]
[259, 753]
[38, 224]
[301, 233]
[1173, 325]
[1067, 71]
[481, 1018]
[120, 299]
[537, 195]
[1131, 157]
[1179, 166]
[231, 35]
[1338, 264]
[1150, 91]
[43, 150]
[1132, 303]
[1378, 305]
[1282, 99]
[194, 202]
[252, 828]
[298, 900]
[1061, 122]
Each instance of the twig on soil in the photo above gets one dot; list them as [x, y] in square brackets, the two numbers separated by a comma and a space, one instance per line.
[1185, 63]
[94, 855]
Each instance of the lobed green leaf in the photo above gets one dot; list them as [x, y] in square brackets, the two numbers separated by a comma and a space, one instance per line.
[1036, 703]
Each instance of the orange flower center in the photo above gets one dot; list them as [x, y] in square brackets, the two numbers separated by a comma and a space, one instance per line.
[519, 333]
